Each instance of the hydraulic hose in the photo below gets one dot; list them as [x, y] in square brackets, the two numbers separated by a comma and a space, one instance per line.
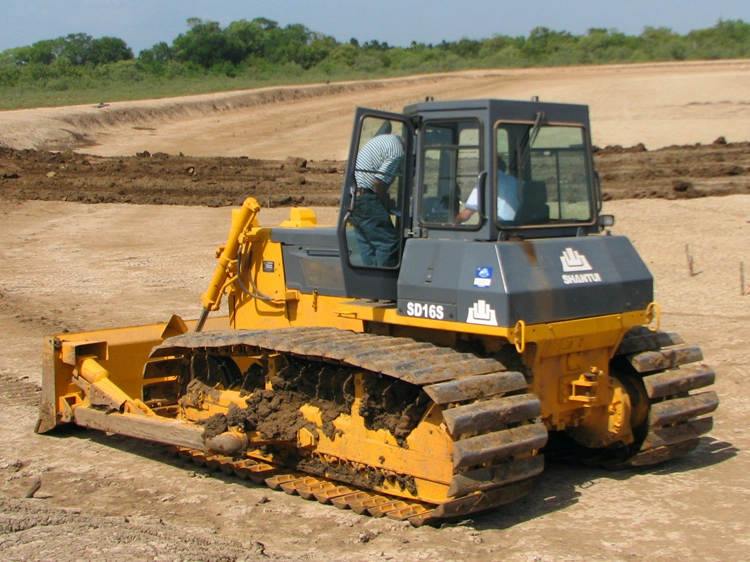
[257, 294]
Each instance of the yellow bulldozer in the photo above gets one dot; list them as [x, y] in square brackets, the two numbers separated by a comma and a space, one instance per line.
[470, 311]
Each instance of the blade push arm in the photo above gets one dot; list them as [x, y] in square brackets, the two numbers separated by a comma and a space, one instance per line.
[245, 217]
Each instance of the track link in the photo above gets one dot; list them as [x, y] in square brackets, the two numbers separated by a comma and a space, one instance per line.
[362, 502]
[669, 371]
[486, 410]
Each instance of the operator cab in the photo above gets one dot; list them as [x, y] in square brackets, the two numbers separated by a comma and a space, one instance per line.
[493, 169]
[472, 170]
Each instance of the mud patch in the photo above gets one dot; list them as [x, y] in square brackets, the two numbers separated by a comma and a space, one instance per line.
[674, 172]
[252, 379]
[393, 405]
[213, 426]
[387, 403]
[276, 413]
[163, 179]
[328, 387]
[362, 477]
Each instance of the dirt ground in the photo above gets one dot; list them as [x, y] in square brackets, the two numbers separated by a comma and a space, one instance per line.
[72, 266]
[676, 172]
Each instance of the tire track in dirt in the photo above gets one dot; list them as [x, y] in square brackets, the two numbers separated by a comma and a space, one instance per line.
[29, 531]
[14, 392]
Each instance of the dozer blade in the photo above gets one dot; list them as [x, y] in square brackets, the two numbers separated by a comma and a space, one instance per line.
[122, 354]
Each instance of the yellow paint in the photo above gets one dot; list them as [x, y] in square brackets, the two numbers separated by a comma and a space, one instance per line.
[428, 457]
[567, 362]
[242, 219]
[610, 423]
[300, 217]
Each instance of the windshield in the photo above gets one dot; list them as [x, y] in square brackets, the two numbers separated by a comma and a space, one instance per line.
[545, 183]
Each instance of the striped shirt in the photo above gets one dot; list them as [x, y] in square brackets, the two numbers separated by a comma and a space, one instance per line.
[379, 159]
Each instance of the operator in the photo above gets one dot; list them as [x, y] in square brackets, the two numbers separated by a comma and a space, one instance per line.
[507, 197]
[378, 163]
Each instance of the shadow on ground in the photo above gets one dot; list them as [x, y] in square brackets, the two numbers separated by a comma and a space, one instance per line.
[561, 484]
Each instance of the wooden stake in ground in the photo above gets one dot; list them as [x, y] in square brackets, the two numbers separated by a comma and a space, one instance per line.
[34, 488]
[689, 260]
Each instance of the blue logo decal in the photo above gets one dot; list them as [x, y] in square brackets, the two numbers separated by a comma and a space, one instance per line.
[483, 276]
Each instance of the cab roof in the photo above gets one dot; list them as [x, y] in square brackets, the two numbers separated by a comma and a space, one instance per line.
[514, 110]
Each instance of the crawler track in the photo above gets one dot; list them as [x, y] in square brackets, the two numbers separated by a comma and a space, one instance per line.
[669, 371]
[660, 372]
[492, 420]
[344, 496]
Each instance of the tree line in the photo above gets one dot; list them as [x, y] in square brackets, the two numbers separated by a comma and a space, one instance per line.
[262, 50]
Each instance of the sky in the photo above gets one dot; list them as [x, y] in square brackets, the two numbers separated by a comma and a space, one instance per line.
[143, 23]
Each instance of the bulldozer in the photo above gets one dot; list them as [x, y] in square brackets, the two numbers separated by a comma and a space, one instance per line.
[470, 312]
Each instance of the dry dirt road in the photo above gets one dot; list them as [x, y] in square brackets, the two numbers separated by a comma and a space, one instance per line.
[74, 266]
[656, 104]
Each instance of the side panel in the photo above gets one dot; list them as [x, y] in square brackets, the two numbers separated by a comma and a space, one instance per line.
[299, 272]
[498, 284]
[312, 260]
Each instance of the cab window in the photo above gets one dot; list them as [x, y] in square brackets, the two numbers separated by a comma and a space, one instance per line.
[452, 162]
[542, 176]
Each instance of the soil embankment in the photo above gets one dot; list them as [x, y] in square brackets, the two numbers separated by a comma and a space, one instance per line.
[675, 172]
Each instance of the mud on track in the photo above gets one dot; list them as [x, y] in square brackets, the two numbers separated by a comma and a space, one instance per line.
[675, 172]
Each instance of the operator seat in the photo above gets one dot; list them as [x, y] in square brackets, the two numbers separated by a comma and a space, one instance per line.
[533, 208]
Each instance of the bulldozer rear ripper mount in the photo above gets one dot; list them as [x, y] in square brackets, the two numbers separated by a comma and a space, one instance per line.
[425, 388]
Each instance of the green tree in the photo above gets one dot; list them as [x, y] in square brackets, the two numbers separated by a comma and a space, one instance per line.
[109, 49]
[260, 49]
[158, 54]
[250, 37]
[205, 45]
[466, 48]
[730, 38]
[543, 42]
[77, 48]
[661, 43]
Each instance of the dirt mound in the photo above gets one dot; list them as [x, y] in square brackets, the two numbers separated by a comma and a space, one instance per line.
[82, 126]
[675, 172]
[655, 104]
[161, 179]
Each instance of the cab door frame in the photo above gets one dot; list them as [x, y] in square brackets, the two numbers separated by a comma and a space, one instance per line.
[373, 282]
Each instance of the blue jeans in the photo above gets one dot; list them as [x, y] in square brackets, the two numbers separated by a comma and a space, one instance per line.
[376, 236]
